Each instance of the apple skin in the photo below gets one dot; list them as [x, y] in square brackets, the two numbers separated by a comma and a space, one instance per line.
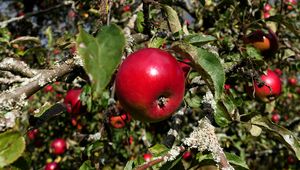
[58, 146]
[52, 166]
[32, 134]
[150, 85]
[276, 118]
[187, 156]
[147, 157]
[267, 7]
[292, 81]
[72, 101]
[266, 43]
[119, 121]
[271, 89]
[185, 67]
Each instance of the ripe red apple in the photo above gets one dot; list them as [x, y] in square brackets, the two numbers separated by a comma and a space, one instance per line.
[278, 71]
[72, 101]
[58, 146]
[266, 15]
[275, 117]
[292, 81]
[48, 88]
[32, 134]
[267, 7]
[126, 8]
[147, 157]
[187, 156]
[150, 84]
[52, 166]
[271, 88]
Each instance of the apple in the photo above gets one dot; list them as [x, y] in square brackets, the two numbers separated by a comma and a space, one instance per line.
[150, 85]
[266, 43]
[185, 67]
[267, 7]
[275, 117]
[266, 15]
[48, 88]
[120, 120]
[126, 8]
[58, 146]
[32, 134]
[147, 157]
[292, 81]
[278, 71]
[52, 166]
[271, 88]
[72, 101]
[187, 156]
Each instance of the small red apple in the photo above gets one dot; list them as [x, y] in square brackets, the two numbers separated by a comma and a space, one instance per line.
[147, 157]
[126, 8]
[271, 88]
[150, 84]
[48, 88]
[292, 81]
[120, 120]
[276, 118]
[187, 156]
[267, 7]
[52, 166]
[32, 134]
[58, 146]
[266, 15]
[72, 101]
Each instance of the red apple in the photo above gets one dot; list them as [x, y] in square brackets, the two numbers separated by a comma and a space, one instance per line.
[278, 71]
[185, 67]
[266, 15]
[48, 88]
[292, 81]
[150, 84]
[117, 122]
[147, 157]
[187, 156]
[275, 117]
[267, 7]
[271, 88]
[32, 134]
[58, 146]
[126, 8]
[52, 166]
[72, 101]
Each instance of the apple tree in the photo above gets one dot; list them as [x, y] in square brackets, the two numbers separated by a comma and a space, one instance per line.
[159, 84]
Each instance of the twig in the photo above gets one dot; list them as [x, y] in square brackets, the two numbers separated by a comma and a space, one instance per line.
[16, 66]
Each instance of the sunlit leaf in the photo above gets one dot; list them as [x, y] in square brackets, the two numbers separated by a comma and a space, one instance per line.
[173, 19]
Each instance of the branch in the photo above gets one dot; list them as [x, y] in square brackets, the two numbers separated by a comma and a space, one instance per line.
[4, 23]
[16, 66]
[9, 99]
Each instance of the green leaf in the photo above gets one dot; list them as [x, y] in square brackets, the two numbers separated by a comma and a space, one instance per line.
[284, 135]
[175, 164]
[140, 22]
[199, 39]
[48, 33]
[12, 145]
[207, 64]
[158, 149]
[221, 115]
[173, 19]
[129, 165]
[253, 53]
[156, 42]
[86, 166]
[101, 55]
[236, 161]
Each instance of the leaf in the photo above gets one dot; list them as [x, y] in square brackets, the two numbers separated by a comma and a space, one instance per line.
[101, 55]
[129, 165]
[140, 22]
[236, 160]
[221, 115]
[156, 42]
[253, 53]
[284, 135]
[199, 39]
[173, 19]
[49, 111]
[86, 166]
[12, 145]
[207, 64]
[158, 149]
[175, 164]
